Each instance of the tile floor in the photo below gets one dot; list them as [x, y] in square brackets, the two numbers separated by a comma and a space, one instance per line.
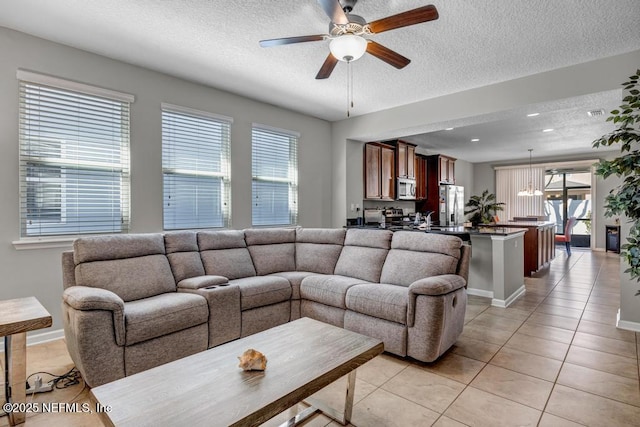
[553, 358]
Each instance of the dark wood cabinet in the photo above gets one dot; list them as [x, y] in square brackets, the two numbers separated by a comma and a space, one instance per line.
[446, 169]
[421, 177]
[406, 160]
[439, 170]
[379, 171]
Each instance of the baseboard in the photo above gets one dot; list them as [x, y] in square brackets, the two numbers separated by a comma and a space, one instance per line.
[479, 292]
[505, 303]
[40, 338]
[625, 324]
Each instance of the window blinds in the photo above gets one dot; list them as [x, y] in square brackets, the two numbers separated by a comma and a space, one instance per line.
[274, 176]
[74, 160]
[195, 165]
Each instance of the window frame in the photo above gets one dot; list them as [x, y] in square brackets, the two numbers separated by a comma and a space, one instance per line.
[225, 168]
[292, 174]
[64, 155]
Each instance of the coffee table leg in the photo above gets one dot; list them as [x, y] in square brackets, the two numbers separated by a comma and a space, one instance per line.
[16, 366]
[343, 418]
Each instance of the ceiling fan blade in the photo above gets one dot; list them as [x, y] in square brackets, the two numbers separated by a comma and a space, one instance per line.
[327, 67]
[387, 55]
[404, 19]
[334, 11]
[291, 40]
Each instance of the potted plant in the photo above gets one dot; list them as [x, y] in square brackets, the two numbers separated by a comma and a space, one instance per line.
[482, 208]
[625, 199]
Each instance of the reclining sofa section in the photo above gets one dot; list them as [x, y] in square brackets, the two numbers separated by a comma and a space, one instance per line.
[132, 302]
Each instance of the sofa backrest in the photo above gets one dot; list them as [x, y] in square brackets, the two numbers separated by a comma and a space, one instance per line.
[318, 249]
[131, 266]
[272, 249]
[363, 254]
[417, 255]
[183, 254]
[225, 253]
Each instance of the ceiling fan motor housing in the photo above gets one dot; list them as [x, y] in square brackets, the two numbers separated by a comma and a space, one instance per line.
[347, 5]
[356, 25]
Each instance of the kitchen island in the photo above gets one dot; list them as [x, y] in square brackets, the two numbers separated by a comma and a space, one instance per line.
[539, 243]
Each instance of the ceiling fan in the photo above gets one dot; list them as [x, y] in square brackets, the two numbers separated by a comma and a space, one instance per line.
[347, 33]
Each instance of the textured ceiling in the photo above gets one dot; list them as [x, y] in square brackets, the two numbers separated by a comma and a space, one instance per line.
[472, 44]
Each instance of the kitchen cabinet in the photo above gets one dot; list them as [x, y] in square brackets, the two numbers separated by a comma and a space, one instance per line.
[439, 170]
[379, 171]
[446, 169]
[405, 160]
[421, 177]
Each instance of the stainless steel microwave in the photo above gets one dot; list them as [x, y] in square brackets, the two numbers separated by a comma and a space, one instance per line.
[406, 189]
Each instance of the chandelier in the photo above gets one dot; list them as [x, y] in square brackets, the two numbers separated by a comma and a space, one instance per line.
[529, 190]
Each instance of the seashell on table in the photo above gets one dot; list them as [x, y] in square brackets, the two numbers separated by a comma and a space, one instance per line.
[252, 360]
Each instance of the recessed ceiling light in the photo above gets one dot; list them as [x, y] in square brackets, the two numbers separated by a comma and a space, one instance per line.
[533, 114]
[449, 129]
[547, 130]
[475, 140]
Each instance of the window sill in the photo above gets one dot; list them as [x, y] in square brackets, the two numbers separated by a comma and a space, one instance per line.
[36, 243]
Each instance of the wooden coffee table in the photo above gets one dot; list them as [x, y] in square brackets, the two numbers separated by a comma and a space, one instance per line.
[208, 388]
[17, 317]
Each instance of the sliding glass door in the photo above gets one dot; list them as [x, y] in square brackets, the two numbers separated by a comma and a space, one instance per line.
[568, 194]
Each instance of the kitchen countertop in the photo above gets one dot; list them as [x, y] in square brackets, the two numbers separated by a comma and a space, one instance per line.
[454, 230]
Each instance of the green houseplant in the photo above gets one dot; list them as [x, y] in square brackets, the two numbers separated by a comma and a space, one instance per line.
[482, 208]
[625, 199]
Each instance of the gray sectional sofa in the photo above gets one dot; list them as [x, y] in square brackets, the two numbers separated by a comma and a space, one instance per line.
[132, 302]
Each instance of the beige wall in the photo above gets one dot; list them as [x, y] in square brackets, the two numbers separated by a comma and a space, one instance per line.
[38, 272]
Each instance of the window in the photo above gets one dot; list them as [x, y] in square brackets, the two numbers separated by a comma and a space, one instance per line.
[74, 158]
[275, 176]
[195, 168]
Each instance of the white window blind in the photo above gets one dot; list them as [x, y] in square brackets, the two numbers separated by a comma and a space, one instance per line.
[509, 181]
[195, 166]
[275, 176]
[74, 159]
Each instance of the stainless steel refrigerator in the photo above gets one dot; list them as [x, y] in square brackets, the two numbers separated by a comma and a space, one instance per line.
[451, 205]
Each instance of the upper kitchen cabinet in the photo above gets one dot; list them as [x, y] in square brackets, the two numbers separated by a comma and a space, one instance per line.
[379, 171]
[406, 160]
[444, 168]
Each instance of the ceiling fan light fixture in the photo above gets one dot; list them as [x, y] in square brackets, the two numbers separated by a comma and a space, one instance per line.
[348, 47]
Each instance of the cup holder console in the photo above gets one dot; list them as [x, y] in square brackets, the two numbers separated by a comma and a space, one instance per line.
[216, 286]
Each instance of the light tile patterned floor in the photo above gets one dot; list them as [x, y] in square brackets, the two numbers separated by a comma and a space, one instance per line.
[554, 358]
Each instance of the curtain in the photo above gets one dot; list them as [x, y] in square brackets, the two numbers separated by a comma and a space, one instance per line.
[509, 181]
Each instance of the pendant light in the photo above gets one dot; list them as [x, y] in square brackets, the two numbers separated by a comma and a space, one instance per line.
[530, 190]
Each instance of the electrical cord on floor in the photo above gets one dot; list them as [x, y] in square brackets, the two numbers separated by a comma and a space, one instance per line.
[72, 377]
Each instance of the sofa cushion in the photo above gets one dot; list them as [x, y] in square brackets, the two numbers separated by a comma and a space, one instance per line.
[130, 278]
[163, 314]
[328, 290]
[262, 290]
[295, 279]
[383, 301]
[414, 256]
[181, 241]
[318, 249]
[269, 236]
[326, 236]
[185, 265]
[231, 263]
[363, 254]
[99, 248]
[368, 238]
[221, 239]
[272, 249]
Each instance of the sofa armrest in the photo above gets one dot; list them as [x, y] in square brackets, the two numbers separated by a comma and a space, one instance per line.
[200, 282]
[85, 298]
[432, 286]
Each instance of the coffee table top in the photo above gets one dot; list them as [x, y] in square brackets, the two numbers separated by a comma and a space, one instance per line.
[209, 389]
[22, 315]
